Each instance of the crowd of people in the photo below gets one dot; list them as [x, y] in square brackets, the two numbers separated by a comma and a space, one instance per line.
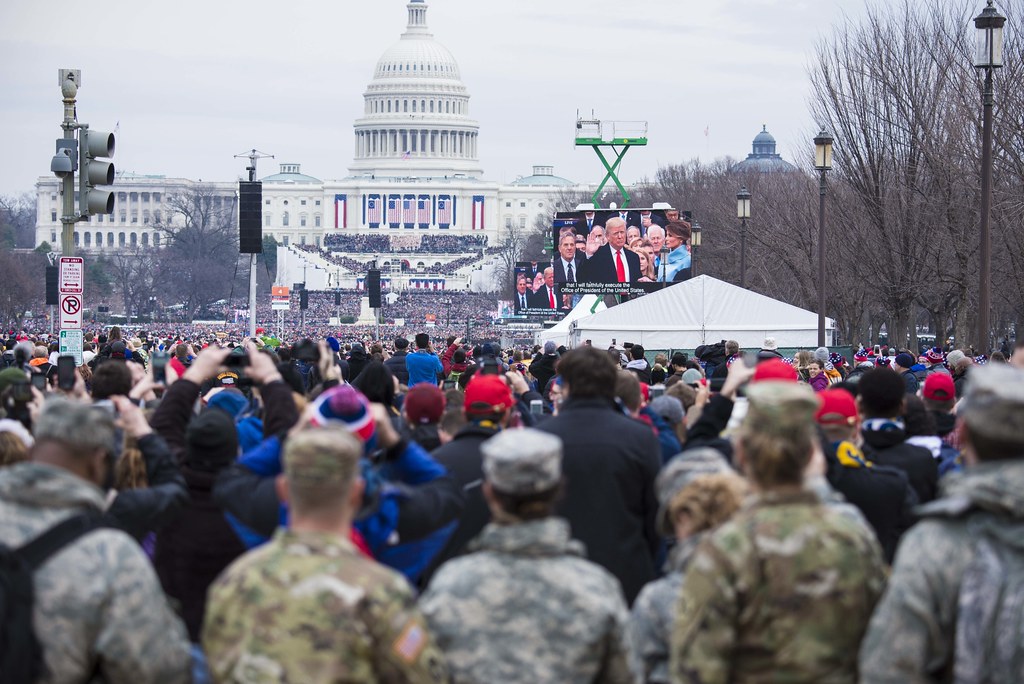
[385, 244]
[201, 506]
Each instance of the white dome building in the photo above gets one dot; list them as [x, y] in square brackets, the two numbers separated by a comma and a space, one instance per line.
[416, 116]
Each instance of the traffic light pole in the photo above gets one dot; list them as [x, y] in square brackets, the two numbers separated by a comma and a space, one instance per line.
[68, 218]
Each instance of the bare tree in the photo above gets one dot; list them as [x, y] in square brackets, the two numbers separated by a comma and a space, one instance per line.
[198, 262]
[18, 221]
[23, 286]
[134, 270]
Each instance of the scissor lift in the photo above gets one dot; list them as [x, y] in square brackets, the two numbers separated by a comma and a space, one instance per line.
[617, 135]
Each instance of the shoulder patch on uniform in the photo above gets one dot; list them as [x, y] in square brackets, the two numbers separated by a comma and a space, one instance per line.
[411, 642]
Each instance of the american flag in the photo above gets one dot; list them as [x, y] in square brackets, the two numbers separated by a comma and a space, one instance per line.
[408, 212]
[478, 212]
[394, 213]
[373, 211]
[341, 211]
[444, 211]
[423, 210]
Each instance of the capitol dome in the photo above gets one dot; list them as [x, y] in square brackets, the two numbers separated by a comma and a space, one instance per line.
[763, 158]
[416, 120]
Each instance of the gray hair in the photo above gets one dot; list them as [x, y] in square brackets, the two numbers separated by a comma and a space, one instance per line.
[80, 427]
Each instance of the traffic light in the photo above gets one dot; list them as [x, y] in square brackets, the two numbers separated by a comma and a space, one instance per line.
[95, 171]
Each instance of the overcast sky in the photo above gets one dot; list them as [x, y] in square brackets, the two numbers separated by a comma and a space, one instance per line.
[194, 83]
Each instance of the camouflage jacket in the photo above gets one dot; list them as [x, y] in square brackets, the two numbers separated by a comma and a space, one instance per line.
[783, 592]
[652, 616]
[912, 634]
[526, 607]
[98, 608]
[308, 607]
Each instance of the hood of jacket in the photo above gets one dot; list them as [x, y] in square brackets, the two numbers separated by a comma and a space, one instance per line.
[932, 443]
[883, 433]
[638, 364]
[534, 539]
[996, 486]
[44, 486]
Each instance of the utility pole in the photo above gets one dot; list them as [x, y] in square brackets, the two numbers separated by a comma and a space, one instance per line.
[253, 155]
[68, 218]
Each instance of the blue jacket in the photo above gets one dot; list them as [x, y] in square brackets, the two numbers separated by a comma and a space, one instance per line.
[423, 367]
[678, 260]
[667, 439]
[410, 513]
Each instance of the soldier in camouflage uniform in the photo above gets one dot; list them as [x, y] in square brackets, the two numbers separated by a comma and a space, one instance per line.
[308, 606]
[697, 491]
[525, 606]
[784, 590]
[99, 609]
[952, 611]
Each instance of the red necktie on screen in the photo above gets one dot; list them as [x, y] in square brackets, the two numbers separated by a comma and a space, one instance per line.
[620, 270]
[551, 297]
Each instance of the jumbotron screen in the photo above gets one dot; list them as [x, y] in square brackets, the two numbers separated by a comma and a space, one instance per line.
[628, 252]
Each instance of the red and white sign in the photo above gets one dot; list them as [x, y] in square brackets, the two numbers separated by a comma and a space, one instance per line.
[72, 275]
[279, 298]
[70, 311]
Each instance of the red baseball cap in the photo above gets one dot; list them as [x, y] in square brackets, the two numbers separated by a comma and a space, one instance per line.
[838, 407]
[939, 387]
[487, 394]
[774, 369]
[424, 403]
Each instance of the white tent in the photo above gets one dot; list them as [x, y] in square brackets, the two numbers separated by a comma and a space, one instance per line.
[700, 311]
[559, 333]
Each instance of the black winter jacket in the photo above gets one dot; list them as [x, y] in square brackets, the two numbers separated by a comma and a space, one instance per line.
[609, 464]
[889, 448]
[464, 462]
[140, 511]
[396, 364]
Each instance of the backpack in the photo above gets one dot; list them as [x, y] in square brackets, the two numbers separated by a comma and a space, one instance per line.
[454, 376]
[21, 655]
[990, 610]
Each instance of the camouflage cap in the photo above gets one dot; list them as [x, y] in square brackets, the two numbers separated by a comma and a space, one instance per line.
[523, 461]
[993, 404]
[321, 456]
[681, 471]
[779, 407]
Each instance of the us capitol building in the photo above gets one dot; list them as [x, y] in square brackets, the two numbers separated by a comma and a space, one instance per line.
[416, 177]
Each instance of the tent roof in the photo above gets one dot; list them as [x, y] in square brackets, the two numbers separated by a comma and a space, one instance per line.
[705, 309]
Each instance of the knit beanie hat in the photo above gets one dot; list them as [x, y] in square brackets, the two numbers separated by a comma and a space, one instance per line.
[344, 406]
[211, 441]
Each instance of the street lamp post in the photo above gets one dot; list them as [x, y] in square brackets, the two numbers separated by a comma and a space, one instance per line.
[743, 213]
[822, 164]
[988, 55]
[694, 244]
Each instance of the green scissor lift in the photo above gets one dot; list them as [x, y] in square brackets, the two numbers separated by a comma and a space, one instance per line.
[617, 135]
